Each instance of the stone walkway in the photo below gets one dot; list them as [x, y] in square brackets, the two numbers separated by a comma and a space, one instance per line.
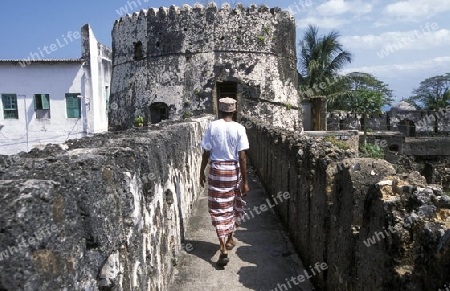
[262, 260]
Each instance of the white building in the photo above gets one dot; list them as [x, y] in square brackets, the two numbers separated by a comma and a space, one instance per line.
[50, 101]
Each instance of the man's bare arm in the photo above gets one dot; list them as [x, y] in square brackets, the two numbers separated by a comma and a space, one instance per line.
[205, 158]
[243, 167]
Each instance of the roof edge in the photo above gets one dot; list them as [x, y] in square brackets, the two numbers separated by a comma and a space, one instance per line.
[79, 60]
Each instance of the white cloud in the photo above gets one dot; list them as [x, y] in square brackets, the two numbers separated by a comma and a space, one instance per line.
[411, 44]
[334, 13]
[416, 10]
[362, 41]
[403, 78]
[419, 39]
[322, 22]
[395, 70]
[336, 7]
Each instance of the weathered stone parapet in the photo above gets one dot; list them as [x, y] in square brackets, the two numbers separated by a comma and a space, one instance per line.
[409, 241]
[376, 230]
[199, 9]
[185, 30]
[101, 213]
[408, 122]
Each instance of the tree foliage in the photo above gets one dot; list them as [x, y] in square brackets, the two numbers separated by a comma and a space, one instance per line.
[321, 58]
[432, 94]
[361, 93]
[365, 101]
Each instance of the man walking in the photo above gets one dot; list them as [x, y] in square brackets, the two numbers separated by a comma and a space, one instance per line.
[224, 143]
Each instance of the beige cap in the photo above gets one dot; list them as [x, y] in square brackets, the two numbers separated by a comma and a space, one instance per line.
[227, 104]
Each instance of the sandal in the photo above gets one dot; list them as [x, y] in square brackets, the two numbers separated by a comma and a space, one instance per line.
[230, 245]
[223, 260]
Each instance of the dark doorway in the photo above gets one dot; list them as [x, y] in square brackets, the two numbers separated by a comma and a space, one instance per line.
[428, 172]
[407, 127]
[159, 111]
[227, 89]
[138, 51]
[393, 148]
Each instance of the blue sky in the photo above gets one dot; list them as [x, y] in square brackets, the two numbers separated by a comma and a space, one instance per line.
[400, 42]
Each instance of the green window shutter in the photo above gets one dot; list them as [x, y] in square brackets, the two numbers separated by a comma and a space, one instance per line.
[5, 101]
[73, 106]
[10, 106]
[45, 101]
[69, 106]
[41, 101]
[77, 108]
[37, 102]
[9, 101]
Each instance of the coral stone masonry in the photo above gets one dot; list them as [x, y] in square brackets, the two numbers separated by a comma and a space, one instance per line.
[172, 63]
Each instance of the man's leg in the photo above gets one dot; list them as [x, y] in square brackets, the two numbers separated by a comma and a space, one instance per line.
[223, 248]
[230, 241]
[239, 206]
[223, 258]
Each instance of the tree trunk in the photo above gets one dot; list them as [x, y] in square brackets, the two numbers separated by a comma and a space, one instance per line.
[365, 129]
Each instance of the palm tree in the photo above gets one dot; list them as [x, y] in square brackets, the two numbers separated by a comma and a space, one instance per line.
[321, 58]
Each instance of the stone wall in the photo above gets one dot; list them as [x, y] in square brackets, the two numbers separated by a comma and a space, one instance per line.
[183, 56]
[427, 146]
[409, 122]
[435, 169]
[101, 213]
[342, 210]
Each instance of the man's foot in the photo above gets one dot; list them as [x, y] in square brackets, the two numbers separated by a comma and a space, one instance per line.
[223, 260]
[230, 244]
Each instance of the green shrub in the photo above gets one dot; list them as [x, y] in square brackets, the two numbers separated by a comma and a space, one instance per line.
[139, 121]
[267, 29]
[371, 151]
[187, 115]
[340, 144]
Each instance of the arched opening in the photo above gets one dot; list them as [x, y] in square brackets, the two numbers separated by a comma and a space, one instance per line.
[227, 89]
[428, 172]
[407, 127]
[159, 111]
[393, 148]
[138, 51]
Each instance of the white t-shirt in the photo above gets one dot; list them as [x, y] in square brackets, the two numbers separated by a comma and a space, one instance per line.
[224, 140]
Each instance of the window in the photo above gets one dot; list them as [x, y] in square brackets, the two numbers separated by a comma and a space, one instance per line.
[10, 106]
[73, 106]
[42, 105]
[159, 111]
[107, 99]
[41, 101]
[138, 52]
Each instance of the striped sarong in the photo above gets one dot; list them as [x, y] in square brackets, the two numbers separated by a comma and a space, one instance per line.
[225, 203]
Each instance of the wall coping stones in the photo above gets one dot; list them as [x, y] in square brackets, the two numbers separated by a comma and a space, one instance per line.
[174, 11]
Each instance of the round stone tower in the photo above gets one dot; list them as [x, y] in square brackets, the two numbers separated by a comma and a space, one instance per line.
[173, 63]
